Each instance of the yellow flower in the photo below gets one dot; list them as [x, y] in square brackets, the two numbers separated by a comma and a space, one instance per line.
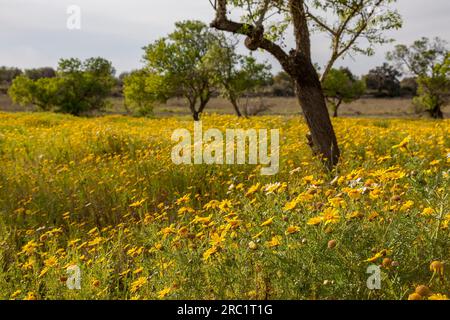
[95, 283]
[291, 205]
[377, 256]
[428, 212]
[95, 242]
[31, 296]
[51, 262]
[253, 189]
[407, 205]
[292, 230]
[437, 267]
[256, 236]
[402, 144]
[16, 294]
[331, 216]
[29, 248]
[185, 199]
[275, 242]
[315, 221]
[438, 296]
[208, 253]
[163, 293]
[138, 203]
[415, 296]
[139, 283]
[267, 222]
[138, 270]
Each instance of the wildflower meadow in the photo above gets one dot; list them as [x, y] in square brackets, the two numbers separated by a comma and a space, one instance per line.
[101, 199]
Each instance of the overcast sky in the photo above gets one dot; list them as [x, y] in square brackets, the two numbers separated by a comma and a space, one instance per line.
[33, 33]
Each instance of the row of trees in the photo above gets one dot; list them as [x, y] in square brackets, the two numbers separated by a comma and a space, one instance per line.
[194, 62]
[76, 87]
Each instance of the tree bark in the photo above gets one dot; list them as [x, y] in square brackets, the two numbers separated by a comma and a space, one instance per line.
[235, 106]
[312, 101]
[196, 116]
[437, 113]
[336, 109]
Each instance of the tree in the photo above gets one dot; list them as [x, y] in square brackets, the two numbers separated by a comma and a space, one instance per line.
[7, 75]
[235, 74]
[434, 91]
[265, 22]
[409, 86]
[79, 87]
[283, 86]
[341, 85]
[180, 60]
[43, 93]
[38, 73]
[384, 80]
[428, 61]
[142, 89]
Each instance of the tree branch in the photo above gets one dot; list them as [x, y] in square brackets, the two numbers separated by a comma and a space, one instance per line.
[255, 34]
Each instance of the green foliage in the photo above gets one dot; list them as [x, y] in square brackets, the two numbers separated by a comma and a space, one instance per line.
[283, 86]
[434, 91]
[345, 22]
[234, 74]
[142, 89]
[7, 75]
[179, 59]
[428, 61]
[78, 88]
[38, 73]
[384, 80]
[341, 86]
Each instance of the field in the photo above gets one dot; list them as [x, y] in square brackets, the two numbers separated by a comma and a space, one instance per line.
[367, 107]
[102, 194]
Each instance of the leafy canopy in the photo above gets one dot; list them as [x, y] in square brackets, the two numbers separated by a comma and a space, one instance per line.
[353, 26]
[79, 87]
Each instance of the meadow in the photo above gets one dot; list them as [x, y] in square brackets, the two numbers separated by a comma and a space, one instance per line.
[102, 194]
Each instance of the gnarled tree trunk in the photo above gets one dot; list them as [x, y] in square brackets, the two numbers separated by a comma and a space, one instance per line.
[312, 101]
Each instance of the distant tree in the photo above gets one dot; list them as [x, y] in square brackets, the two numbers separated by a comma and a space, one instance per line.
[44, 93]
[7, 75]
[428, 61]
[339, 86]
[384, 80]
[235, 75]
[79, 87]
[409, 86]
[142, 89]
[180, 60]
[283, 86]
[35, 74]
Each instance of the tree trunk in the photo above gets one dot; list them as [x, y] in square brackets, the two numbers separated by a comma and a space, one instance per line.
[310, 95]
[437, 113]
[336, 109]
[196, 116]
[235, 106]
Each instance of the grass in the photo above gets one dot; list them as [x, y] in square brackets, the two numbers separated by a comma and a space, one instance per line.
[103, 194]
